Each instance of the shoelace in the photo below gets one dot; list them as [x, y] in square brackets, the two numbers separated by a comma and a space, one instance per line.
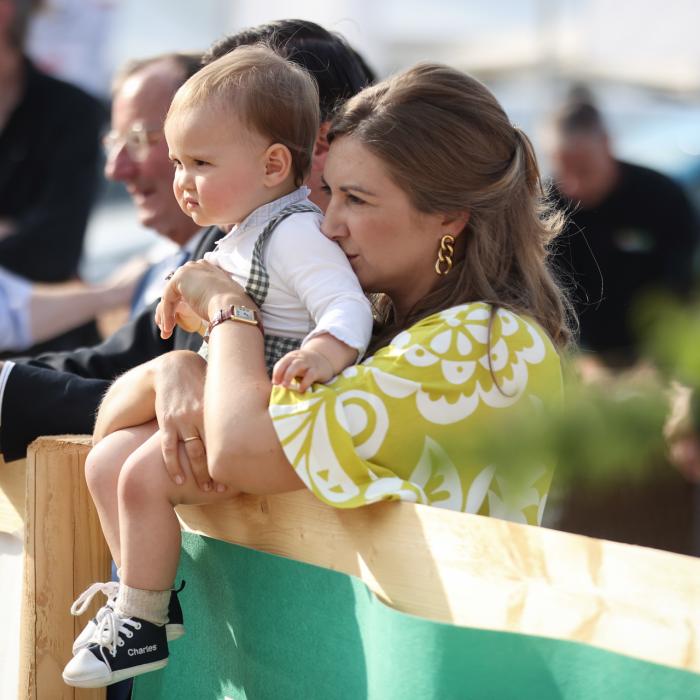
[108, 633]
[110, 589]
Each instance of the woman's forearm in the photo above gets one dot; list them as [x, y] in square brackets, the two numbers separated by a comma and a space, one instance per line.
[243, 450]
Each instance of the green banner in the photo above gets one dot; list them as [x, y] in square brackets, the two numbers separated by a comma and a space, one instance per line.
[263, 627]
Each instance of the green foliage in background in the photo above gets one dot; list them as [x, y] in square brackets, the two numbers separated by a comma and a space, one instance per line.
[613, 428]
[603, 431]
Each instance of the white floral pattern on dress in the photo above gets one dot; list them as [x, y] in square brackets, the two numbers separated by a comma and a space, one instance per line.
[400, 425]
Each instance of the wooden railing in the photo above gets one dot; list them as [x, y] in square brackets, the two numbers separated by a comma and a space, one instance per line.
[429, 562]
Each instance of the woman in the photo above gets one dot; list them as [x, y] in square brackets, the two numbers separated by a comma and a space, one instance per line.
[434, 200]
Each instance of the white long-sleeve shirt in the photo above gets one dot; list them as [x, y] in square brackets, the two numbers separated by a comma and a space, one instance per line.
[313, 289]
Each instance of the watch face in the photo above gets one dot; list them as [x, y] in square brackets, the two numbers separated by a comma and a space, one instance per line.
[244, 314]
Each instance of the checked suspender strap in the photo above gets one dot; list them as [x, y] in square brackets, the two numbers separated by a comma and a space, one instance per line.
[258, 282]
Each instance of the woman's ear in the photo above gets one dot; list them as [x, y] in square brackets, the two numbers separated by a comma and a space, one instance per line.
[453, 224]
[278, 164]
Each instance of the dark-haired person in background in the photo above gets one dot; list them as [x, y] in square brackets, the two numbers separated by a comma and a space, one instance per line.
[67, 387]
[630, 230]
[49, 156]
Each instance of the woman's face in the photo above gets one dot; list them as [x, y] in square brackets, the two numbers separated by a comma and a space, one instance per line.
[391, 246]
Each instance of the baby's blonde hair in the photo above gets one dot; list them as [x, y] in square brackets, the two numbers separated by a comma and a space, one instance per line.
[270, 95]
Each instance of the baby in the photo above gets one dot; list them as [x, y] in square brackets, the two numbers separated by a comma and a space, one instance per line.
[241, 134]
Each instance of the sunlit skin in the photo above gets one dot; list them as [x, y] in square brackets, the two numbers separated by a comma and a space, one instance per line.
[391, 246]
[221, 166]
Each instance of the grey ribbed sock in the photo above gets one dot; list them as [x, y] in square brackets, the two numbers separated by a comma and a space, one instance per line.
[148, 605]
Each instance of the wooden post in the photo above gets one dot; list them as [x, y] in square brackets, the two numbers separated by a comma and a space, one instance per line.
[12, 496]
[64, 553]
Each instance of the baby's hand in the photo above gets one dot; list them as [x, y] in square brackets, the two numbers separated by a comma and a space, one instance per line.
[306, 366]
[185, 317]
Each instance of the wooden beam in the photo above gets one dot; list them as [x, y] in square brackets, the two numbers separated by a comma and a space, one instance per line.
[12, 495]
[462, 569]
[482, 572]
[64, 553]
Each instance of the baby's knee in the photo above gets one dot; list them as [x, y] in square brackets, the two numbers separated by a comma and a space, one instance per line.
[138, 480]
[101, 466]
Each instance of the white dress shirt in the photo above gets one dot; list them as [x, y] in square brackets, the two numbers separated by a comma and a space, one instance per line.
[150, 287]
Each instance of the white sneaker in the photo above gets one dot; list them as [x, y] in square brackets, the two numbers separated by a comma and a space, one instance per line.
[174, 629]
[110, 589]
[122, 647]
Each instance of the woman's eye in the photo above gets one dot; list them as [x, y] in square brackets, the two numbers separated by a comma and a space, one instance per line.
[355, 200]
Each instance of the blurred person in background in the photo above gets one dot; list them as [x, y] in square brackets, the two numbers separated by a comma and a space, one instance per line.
[630, 231]
[33, 312]
[49, 155]
[67, 387]
[137, 156]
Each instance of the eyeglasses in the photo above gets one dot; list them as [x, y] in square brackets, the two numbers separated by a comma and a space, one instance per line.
[137, 141]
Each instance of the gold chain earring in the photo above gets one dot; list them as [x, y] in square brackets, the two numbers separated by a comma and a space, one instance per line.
[443, 264]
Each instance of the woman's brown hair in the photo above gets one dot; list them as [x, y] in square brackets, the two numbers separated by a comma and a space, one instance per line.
[446, 141]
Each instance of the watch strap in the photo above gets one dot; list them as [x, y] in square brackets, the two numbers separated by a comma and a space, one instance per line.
[242, 314]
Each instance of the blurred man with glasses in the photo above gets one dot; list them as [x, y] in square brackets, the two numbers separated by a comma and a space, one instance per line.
[137, 155]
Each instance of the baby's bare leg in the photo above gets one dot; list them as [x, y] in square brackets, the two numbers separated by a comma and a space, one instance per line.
[102, 468]
[150, 530]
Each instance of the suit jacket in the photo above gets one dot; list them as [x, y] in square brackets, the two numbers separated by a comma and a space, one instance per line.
[59, 392]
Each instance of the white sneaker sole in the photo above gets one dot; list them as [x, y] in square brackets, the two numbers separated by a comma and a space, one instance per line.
[173, 632]
[115, 676]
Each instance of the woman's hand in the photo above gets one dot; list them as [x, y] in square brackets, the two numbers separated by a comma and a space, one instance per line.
[179, 391]
[185, 317]
[204, 287]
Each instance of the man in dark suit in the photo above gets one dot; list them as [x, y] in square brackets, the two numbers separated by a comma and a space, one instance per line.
[59, 393]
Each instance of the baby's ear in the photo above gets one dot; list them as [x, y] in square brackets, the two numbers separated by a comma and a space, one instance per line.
[278, 164]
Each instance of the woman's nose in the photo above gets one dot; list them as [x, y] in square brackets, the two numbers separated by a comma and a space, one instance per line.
[332, 227]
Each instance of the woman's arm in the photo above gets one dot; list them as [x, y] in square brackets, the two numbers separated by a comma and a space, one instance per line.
[242, 446]
[243, 451]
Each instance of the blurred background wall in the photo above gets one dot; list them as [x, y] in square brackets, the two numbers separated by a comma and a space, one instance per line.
[641, 59]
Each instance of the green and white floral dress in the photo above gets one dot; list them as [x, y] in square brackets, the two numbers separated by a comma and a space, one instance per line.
[400, 425]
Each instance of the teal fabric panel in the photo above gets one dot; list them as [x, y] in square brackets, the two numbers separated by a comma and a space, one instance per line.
[263, 627]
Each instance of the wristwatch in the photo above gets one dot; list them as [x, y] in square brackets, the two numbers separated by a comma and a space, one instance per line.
[234, 313]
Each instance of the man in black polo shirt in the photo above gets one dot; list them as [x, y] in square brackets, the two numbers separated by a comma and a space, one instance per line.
[630, 230]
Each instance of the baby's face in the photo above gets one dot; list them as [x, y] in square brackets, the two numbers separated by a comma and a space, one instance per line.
[219, 165]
